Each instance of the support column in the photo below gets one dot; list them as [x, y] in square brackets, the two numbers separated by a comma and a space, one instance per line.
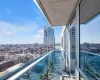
[77, 42]
[69, 64]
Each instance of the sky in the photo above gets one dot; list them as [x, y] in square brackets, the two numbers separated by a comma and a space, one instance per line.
[21, 22]
[90, 32]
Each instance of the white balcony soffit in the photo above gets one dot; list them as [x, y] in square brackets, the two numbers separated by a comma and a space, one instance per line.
[89, 9]
[58, 12]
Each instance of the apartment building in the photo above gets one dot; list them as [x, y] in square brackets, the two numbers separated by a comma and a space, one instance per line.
[49, 39]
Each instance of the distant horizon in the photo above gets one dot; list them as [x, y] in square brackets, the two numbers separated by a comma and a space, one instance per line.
[26, 43]
[89, 43]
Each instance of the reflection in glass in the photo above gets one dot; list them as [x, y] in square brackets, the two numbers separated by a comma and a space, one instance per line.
[90, 48]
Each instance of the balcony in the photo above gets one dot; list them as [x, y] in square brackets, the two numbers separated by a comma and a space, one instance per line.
[49, 66]
[90, 65]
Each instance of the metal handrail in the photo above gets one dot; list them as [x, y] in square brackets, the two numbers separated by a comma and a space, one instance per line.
[90, 53]
[28, 67]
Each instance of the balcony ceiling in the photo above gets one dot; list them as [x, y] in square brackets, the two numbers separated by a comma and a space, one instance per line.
[57, 12]
[89, 9]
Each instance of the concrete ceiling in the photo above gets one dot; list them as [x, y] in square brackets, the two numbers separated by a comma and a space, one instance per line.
[88, 10]
[57, 12]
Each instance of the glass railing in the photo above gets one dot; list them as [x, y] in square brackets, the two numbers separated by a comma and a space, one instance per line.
[90, 65]
[41, 68]
[73, 55]
[73, 62]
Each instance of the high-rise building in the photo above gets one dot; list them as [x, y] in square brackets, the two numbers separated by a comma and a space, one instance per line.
[49, 39]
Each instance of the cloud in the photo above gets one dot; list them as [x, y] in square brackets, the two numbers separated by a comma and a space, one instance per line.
[8, 10]
[28, 32]
[41, 31]
[57, 39]
[21, 33]
[8, 33]
[38, 38]
[7, 29]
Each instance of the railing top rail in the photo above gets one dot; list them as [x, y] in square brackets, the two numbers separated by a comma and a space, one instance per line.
[90, 53]
[15, 76]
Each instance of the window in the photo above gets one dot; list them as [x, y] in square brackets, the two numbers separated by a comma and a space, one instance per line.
[90, 39]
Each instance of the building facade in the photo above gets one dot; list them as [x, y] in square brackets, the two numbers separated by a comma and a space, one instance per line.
[49, 39]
